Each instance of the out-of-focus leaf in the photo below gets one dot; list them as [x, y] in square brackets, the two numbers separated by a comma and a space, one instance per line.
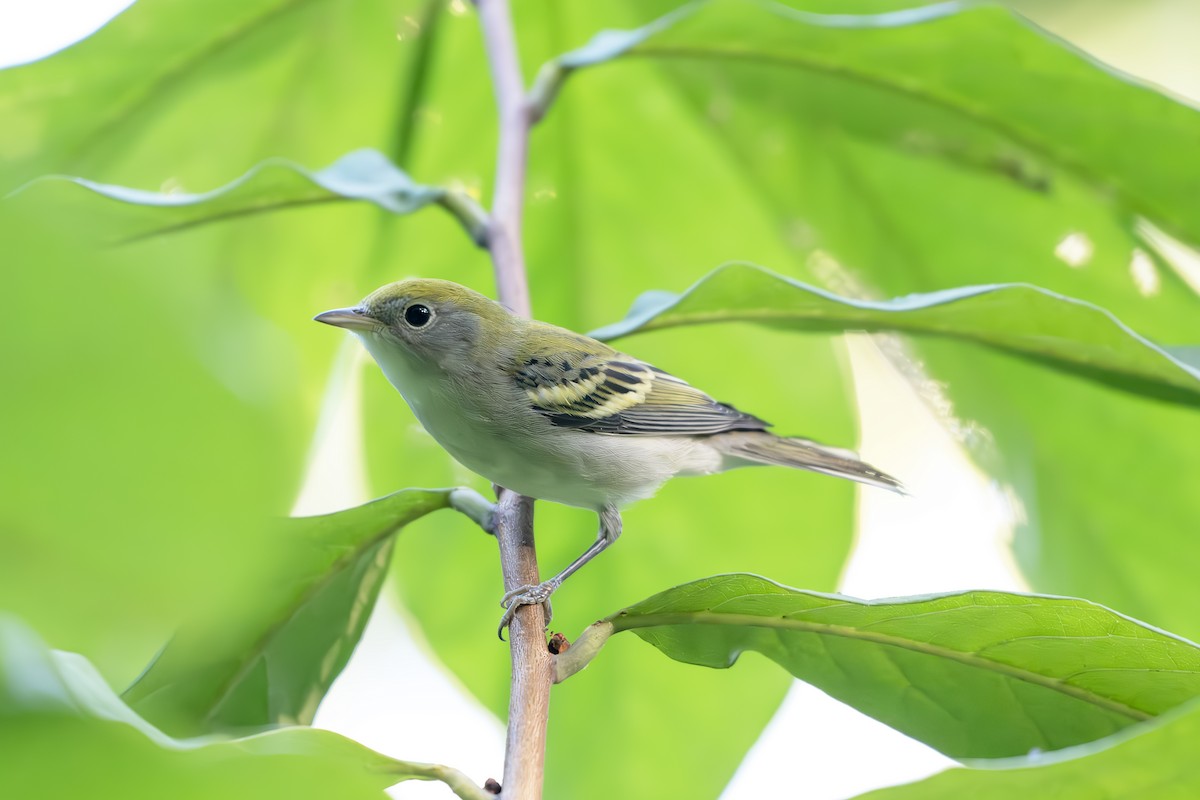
[172, 96]
[609, 44]
[973, 674]
[1155, 759]
[160, 396]
[145, 418]
[272, 662]
[1100, 482]
[895, 184]
[923, 55]
[65, 733]
[271, 185]
[1188, 355]
[1029, 321]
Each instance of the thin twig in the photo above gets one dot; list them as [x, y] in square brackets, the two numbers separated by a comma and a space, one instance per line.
[469, 214]
[546, 86]
[532, 664]
[508, 197]
[475, 506]
[457, 781]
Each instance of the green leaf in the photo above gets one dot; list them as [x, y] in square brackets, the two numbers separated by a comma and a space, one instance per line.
[174, 389]
[973, 674]
[609, 44]
[897, 184]
[1099, 482]
[1155, 759]
[918, 56]
[271, 185]
[273, 662]
[56, 709]
[168, 98]
[1028, 321]
[147, 421]
[1188, 355]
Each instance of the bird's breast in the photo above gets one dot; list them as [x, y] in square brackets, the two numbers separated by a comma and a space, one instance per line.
[488, 427]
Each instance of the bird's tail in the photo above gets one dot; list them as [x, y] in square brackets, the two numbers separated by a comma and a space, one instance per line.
[760, 447]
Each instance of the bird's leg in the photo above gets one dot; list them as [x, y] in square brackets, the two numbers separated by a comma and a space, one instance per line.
[610, 529]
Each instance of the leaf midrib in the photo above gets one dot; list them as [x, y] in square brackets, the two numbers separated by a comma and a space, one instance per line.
[306, 594]
[252, 655]
[163, 80]
[953, 104]
[969, 659]
[1008, 344]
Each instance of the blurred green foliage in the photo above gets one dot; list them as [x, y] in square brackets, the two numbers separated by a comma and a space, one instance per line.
[58, 700]
[160, 396]
[273, 661]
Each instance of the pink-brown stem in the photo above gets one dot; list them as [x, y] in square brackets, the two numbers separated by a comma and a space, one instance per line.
[532, 664]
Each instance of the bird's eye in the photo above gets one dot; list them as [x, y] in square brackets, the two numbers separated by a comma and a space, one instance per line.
[417, 315]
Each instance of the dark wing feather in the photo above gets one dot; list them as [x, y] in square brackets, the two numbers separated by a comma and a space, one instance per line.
[618, 394]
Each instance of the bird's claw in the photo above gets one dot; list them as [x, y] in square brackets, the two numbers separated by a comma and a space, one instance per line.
[529, 595]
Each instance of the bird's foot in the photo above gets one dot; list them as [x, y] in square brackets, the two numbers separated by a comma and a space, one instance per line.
[529, 595]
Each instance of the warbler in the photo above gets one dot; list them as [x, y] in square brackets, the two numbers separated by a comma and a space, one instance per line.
[554, 415]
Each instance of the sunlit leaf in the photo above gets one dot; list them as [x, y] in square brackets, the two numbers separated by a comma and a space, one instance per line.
[1026, 320]
[65, 733]
[1155, 759]
[919, 55]
[923, 161]
[170, 387]
[973, 674]
[146, 419]
[273, 662]
[271, 185]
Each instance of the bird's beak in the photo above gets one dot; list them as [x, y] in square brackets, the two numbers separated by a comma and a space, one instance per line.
[352, 319]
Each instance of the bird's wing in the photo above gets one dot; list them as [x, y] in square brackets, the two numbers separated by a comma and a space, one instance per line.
[617, 394]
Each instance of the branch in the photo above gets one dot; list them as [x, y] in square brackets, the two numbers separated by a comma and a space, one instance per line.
[532, 664]
[504, 238]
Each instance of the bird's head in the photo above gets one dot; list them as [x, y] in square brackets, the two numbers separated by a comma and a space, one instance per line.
[430, 321]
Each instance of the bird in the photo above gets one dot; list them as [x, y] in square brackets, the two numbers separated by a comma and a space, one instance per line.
[555, 415]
